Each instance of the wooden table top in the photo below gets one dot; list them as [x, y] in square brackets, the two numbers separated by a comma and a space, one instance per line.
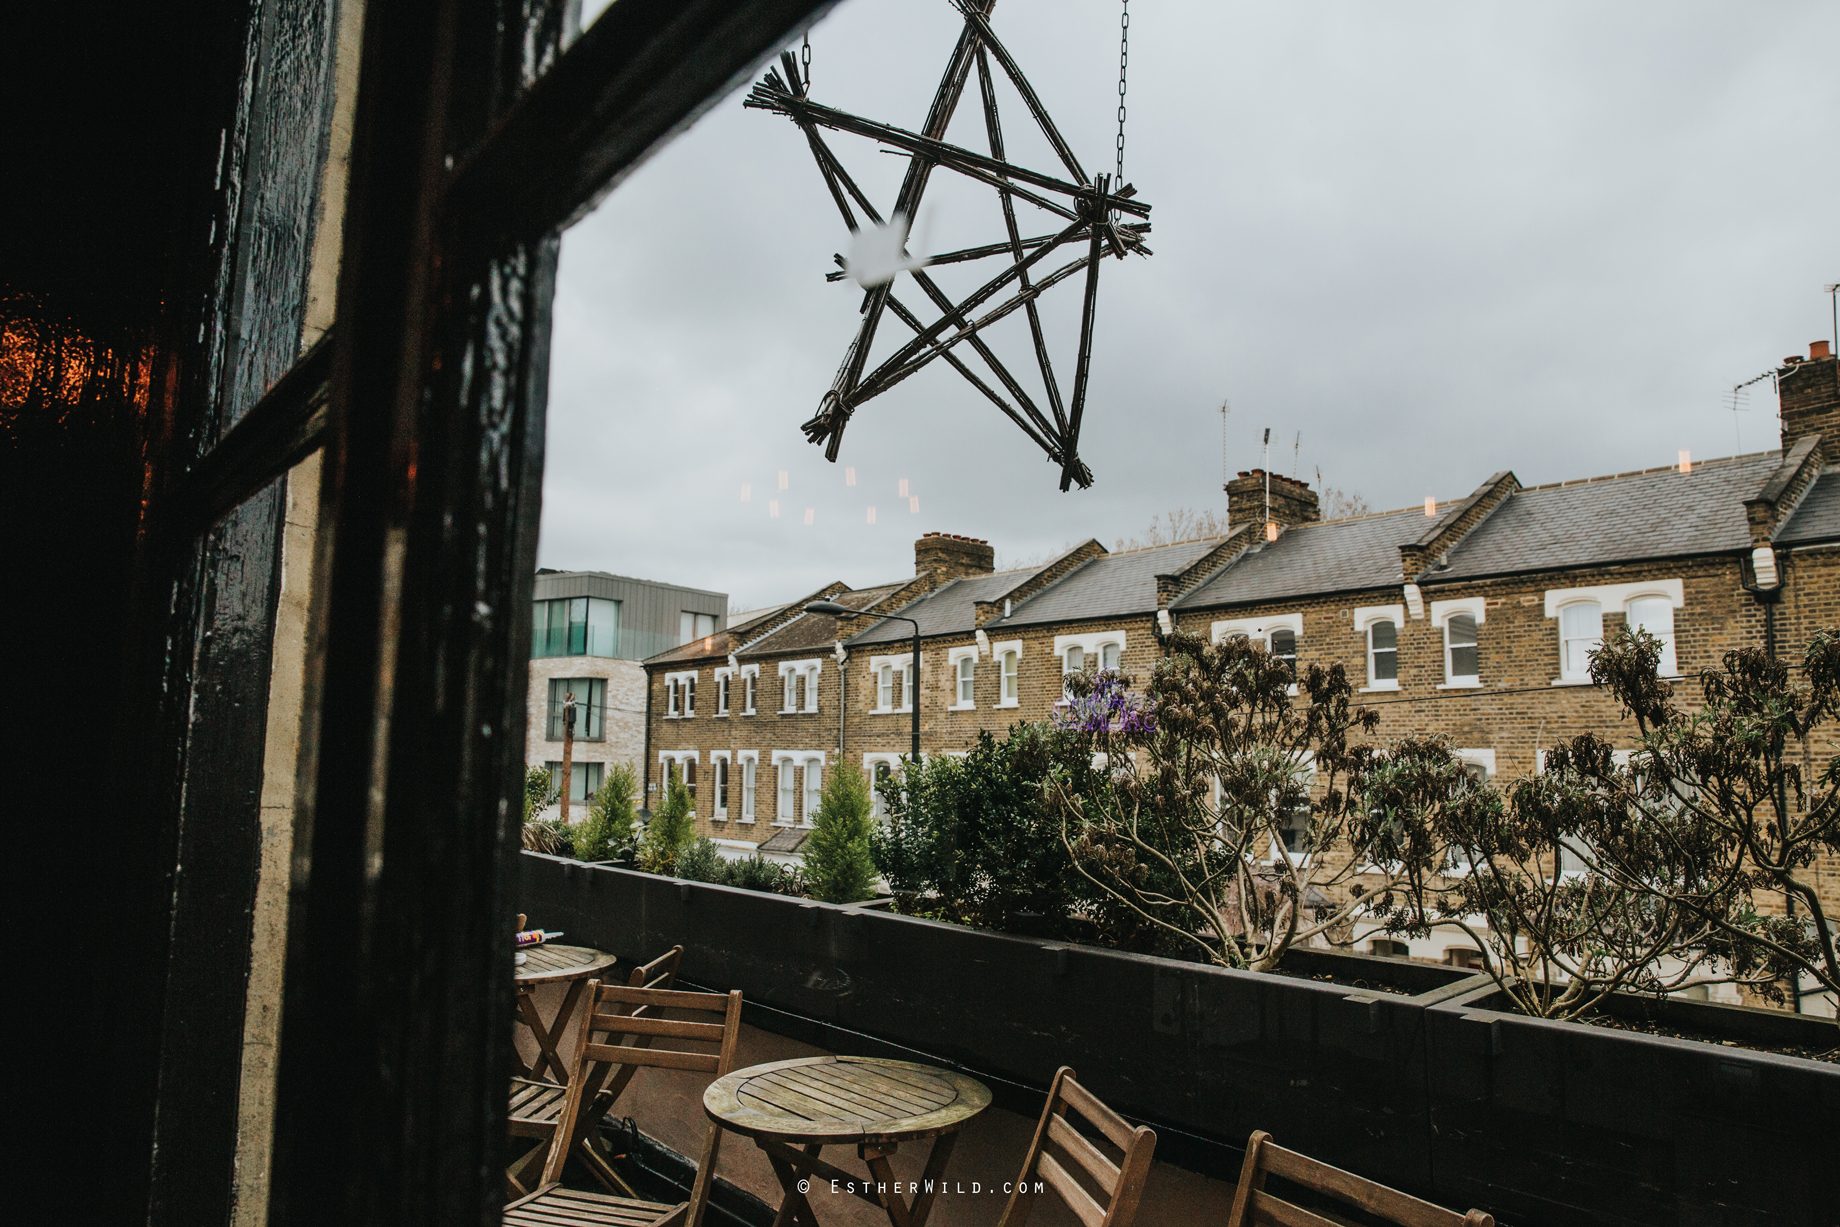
[549, 963]
[833, 1100]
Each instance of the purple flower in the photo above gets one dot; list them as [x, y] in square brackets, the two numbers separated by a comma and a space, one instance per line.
[1108, 708]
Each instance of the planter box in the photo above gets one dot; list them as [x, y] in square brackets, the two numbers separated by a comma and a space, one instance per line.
[1540, 1123]
[1558, 1122]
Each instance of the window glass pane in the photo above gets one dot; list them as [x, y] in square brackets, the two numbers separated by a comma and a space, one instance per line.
[578, 626]
[603, 627]
[686, 627]
[1656, 616]
[1108, 656]
[1293, 828]
[1384, 658]
[1581, 626]
[1009, 675]
[1284, 643]
[884, 687]
[814, 788]
[1461, 632]
[1076, 659]
[787, 797]
[539, 628]
[966, 677]
[705, 625]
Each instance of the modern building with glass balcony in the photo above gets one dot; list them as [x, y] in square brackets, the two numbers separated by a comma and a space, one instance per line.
[589, 631]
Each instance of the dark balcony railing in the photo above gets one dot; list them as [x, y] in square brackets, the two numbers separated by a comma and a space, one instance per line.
[1421, 1087]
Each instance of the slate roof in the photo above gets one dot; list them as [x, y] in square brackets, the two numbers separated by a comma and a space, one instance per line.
[1818, 517]
[1110, 585]
[1660, 513]
[810, 632]
[1328, 556]
[948, 610]
[719, 644]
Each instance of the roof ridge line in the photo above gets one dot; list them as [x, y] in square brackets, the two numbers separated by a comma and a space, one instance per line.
[1662, 468]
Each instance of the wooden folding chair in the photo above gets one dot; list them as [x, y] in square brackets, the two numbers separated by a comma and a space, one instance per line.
[536, 1104]
[1121, 1183]
[635, 1014]
[1254, 1207]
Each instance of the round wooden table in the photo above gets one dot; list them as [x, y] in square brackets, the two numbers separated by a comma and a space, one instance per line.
[553, 964]
[830, 1101]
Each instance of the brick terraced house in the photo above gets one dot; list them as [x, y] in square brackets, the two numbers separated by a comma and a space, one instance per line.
[1472, 619]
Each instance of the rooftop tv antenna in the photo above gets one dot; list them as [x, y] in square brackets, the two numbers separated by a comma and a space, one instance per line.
[1295, 445]
[1226, 407]
[1268, 481]
[1738, 401]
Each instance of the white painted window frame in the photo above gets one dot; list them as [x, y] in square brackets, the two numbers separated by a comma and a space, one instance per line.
[869, 763]
[1618, 757]
[719, 761]
[953, 658]
[674, 708]
[724, 685]
[1441, 614]
[997, 652]
[666, 758]
[792, 760]
[1259, 630]
[901, 663]
[749, 762]
[806, 672]
[812, 795]
[750, 673]
[1481, 757]
[1090, 644]
[1611, 598]
[1364, 618]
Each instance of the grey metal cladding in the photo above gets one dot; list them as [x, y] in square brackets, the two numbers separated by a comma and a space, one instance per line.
[649, 611]
[1661, 513]
[1817, 518]
[1328, 556]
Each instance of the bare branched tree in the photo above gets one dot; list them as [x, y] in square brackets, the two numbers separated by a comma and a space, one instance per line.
[1182, 524]
[1233, 819]
[1339, 504]
[1604, 873]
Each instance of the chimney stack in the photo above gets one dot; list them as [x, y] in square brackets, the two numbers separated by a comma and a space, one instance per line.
[1808, 391]
[1292, 501]
[947, 556]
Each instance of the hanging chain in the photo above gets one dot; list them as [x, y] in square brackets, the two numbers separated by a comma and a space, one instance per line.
[1124, 60]
[805, 62]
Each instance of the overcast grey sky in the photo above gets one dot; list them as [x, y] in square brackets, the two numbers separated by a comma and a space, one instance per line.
[1437, 239]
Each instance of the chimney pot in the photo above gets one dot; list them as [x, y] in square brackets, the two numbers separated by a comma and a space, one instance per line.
[1818, 350]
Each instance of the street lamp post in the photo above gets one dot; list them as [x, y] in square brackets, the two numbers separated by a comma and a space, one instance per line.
[913, 693]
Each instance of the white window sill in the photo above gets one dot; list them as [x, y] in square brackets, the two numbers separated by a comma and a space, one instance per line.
[809, 711]
[781, 822]
[1371, 687]
[720, 714]
[962, 707]
[1573, 681]
[1010, 703]
[718, 817]
[1461, 683]
[750, 712]
[890, 711]
[748, 821]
